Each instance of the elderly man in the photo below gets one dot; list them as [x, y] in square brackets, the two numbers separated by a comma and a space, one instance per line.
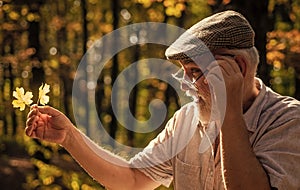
[254, 143]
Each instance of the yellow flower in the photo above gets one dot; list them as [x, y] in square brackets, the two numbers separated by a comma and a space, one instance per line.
[43, 90]
[22, 98]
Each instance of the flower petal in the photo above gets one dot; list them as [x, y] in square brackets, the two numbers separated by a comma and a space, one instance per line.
[18, 104]
[22, 98]
[27, 98]
[43, 90]
[44, 100]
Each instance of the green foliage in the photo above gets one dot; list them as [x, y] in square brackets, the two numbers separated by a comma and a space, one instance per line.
[283, 54]
[283, 81]
[286, 14]
[52, 177]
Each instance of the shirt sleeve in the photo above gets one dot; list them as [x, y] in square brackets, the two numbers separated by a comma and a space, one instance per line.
[278, 150]
[155, 160]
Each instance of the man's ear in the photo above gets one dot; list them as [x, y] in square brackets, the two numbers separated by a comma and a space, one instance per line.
[242, 63]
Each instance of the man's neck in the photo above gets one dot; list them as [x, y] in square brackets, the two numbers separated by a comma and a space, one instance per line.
[251, 97]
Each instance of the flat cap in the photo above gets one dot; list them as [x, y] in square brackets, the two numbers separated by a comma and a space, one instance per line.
[228, 29]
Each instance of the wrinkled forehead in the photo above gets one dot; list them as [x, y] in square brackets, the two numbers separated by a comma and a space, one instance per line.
[205, 59]
[202, 61]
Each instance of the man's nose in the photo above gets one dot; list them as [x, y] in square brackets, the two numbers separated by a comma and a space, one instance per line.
[184, 87]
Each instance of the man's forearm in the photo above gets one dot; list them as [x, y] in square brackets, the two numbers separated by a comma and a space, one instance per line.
[241, 169]
[99, 162]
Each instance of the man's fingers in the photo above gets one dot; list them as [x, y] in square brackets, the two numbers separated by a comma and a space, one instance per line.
[36, 130]
[218, 91]
[34, 106]
[33, 112]
[212, 65]
[48, 110]
[30, 121]
[215, 74]
[29, 130]
[32, 134]
[230, 63]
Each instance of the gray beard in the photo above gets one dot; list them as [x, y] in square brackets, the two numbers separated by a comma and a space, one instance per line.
[193, 94]
[203, 105]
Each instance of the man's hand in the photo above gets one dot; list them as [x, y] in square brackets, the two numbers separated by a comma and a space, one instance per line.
[47, 123]
[237, 157]
[233, 80]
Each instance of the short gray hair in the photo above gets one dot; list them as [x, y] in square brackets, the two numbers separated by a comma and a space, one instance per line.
[250, 53]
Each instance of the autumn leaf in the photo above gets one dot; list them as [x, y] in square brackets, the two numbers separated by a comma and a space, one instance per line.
[43, 90]
[22, 98]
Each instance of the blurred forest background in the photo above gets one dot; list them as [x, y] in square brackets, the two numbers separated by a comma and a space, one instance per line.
[44, 41]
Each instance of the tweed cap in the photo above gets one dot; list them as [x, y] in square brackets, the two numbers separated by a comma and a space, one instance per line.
[228, 29]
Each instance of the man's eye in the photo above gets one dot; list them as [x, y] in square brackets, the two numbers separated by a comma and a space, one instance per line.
[195, 71]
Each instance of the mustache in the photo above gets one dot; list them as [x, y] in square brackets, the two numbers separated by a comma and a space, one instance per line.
[193, 94]
[196, 95]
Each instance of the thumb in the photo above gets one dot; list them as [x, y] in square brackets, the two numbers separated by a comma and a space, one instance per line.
[219, 95]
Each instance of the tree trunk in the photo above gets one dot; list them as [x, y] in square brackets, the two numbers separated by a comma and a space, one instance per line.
[85, 96]
[115, 68]
[38, 74]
